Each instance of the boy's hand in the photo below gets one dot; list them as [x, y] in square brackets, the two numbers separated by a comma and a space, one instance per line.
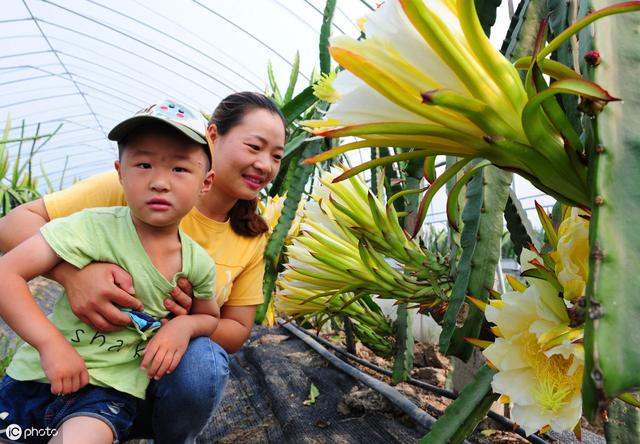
[64, 368]
[181, 298]
[164, 351]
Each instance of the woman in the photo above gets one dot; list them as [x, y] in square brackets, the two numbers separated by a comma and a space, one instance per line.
[248, 135]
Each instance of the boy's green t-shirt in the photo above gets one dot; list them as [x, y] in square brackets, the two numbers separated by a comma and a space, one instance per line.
[108, 235]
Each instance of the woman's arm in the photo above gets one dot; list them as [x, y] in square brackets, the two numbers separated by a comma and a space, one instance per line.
[235, 324]
[21, 223]
[234, 327]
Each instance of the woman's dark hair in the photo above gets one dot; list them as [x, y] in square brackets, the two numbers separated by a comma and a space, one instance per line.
[243, 217]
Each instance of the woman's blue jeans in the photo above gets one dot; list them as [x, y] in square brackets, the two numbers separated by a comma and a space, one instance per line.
[180, 404]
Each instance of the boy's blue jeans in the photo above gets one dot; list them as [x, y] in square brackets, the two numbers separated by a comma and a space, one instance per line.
[180, 404]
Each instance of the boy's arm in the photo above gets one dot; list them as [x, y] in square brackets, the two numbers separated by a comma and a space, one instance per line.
[164, 351]
[93, 290]
[61, 363]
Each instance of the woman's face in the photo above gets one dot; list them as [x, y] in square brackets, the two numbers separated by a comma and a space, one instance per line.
[248, 156]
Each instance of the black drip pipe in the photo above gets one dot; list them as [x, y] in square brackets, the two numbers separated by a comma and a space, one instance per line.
[398, 399]
[503, 421]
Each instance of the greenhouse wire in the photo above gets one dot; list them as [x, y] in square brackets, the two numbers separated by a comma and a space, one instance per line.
[206, 42]
[109, 94]
[503, 421]
[64, 67]
[75, 167]
[204, 54]
[24, 91]
[39, 99]
[249, 34]
[80, 143]
[302, 20]
[394, 396]
[87, 144]
[346, 16]
[96, 155]
[159, 92]
[23, 19]
[8, 56]
[26, 115]
[66, 77]
[27, 79]
[115, 71]
[319, 11]
[137, 55]
[30, 53]
[142, 42]
[366, 3]
[75, 74]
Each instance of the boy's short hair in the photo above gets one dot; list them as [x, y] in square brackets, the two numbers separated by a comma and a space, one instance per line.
[167, 113]
[164, 130]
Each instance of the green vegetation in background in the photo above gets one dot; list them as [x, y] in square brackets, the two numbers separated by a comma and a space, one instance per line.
[17, 182]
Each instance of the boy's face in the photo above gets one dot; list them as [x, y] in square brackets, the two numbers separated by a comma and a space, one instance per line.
[162, 178]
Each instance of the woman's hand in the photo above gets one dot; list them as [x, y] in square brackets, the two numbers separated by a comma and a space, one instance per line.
[64, 368]
[180, 299]
[94, 291]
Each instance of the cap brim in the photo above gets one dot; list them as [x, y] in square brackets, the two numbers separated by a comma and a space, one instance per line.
[121, 130]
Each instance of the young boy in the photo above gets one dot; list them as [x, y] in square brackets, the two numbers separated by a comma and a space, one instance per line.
[69, 377]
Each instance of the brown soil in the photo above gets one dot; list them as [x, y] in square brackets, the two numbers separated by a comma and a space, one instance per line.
[431, 367]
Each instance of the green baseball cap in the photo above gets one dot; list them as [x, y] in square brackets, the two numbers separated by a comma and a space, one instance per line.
[188, 121]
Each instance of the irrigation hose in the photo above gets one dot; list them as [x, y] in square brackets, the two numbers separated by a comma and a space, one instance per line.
[503, 421]
[394, 396]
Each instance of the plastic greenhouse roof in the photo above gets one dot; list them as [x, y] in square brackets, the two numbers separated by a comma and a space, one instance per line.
[87, 64]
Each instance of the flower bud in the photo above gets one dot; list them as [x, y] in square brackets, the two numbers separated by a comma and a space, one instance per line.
[592, 58]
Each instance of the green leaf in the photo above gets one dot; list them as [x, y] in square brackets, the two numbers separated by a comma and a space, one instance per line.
[64, 172]
[610, 9]
[468, 240]
[452, 199]
[547, 226]
[553, 69]
[464, 414]
[277, 97]
[518, 224]
[485, 256]
[430, 168]
[294, 146]
[325, 33]
[293, 78]
[298, 105]
[403, 360]
[486, 10]
[313, 394]
[612, 357]
[436, 184]
[50, 188]
[381, 161]
[630, 399]
[623, 424]
[299, 177]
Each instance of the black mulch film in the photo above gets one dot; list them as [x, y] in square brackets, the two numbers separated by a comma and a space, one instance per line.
[264, 402]
[271, 377]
